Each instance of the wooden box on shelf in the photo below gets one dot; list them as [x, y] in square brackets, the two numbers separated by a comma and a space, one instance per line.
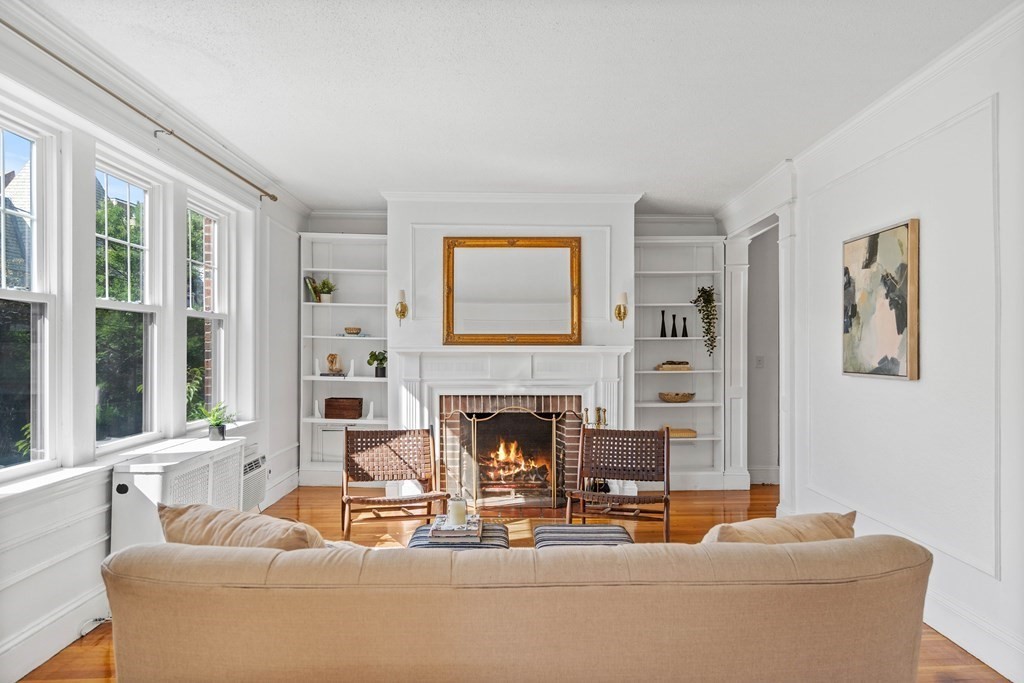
[343, 408]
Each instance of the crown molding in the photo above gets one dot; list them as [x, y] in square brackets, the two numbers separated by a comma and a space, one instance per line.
[116, 119]
[655, 218]
[512, 197]
[773, 189]
[998, 29]
[347, 213]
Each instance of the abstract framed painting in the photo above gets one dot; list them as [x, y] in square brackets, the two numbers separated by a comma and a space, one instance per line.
[880, 303]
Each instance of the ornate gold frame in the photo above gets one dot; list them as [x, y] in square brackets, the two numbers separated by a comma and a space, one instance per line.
[451, 243]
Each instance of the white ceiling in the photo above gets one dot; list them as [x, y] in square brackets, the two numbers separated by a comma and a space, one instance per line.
[688, 101]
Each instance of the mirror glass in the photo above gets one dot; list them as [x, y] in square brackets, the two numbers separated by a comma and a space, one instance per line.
[512, 291]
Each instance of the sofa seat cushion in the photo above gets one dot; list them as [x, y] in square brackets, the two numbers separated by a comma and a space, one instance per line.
[820, 526]
[207, 525]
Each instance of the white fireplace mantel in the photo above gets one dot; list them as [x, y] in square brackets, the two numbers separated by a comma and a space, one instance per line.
[423, 374]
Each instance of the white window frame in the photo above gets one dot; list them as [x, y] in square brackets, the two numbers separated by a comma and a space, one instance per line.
[45, 183]
[112, 163]
[210, 208]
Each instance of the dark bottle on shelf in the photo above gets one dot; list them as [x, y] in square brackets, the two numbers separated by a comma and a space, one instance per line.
[674, 332]
[685, 333]
[663, 323]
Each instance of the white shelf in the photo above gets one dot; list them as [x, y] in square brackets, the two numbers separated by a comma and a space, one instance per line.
[318, 304]
[347, 271]
[677, 372]
[684, 439]
[672, 273]
[342, 336]
[672, 338]
[359, 421]
[691, 404]
[320, 378]
[672, 305]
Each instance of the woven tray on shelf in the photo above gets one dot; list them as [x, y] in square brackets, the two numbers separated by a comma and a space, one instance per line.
[676, 396]
[343, 408]
[673, 366]
[680, 432]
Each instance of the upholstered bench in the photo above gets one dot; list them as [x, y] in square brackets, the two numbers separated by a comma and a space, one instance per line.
[580, 534]
[492, 536]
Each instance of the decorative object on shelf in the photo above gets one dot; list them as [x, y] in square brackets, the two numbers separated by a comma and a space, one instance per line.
[680, 432]
[311, 287]
[401, 308]
[316, 409]
[622, 309]
[334, 368]
[326, 289]
[600, 418]
[339, 408]
[880, 302]
[353, 331]
[370, 413]
[675, 333]
[218, 418]
[663, 334]
[456, 512]
[685, 333]
[378, 359]
[708, 310]
[674, 366]
[316, 366]
[352, 368]
[676, 396]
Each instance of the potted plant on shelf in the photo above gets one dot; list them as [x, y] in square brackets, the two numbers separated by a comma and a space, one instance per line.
[218, 418]
[708, 310]
[326, 290]
[378, 359]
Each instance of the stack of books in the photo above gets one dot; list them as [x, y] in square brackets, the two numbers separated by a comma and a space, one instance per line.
[443, 532]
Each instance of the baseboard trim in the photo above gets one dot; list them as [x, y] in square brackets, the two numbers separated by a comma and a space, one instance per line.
[992, 645]
[282, 488]
[708, 481]
[311, 477]
[41, 640]
[764, 475]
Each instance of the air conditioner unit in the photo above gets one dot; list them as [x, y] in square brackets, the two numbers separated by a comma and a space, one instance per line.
[254, 478]
[176, 472]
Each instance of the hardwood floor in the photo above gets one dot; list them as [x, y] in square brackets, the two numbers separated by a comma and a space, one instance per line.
[693, 512]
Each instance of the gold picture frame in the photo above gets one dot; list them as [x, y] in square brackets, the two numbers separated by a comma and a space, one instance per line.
[451, 244]
[880, 303]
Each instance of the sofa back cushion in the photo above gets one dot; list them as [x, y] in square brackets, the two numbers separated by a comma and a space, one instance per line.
[207, 525]
[820, 526]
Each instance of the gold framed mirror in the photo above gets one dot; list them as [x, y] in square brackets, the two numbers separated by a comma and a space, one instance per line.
[512, 290]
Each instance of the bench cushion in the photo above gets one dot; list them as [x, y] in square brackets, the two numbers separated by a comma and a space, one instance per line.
[580, 534]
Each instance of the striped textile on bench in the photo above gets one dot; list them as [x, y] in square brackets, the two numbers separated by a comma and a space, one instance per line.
[580, 534]
[491, 536]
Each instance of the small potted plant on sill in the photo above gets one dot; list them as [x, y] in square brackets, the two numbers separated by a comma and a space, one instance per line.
[378, 359]
[218, 418]
[326, 290]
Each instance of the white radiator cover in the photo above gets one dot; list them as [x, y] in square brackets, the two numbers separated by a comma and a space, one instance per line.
[183, 472]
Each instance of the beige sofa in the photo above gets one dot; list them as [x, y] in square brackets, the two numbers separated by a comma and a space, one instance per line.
[843, 610]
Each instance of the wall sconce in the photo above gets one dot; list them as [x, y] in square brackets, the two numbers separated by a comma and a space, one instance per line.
[622, 309]
[401, 308]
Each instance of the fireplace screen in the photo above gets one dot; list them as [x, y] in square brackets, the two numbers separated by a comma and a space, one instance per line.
[512, 456]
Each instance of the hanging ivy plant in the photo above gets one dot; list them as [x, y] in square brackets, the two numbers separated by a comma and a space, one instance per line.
[705, 301]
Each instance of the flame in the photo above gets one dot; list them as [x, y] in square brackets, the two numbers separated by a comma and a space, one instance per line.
[508, 460]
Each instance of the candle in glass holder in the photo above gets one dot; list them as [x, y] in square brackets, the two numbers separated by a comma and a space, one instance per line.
[456, 512]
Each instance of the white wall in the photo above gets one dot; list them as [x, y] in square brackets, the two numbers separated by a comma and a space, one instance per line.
[936, 460]
[763, 345]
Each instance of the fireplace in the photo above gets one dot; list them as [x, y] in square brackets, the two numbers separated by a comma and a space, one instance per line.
[510, 450]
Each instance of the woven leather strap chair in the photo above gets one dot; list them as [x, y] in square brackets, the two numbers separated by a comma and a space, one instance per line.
[389, 455]
[623, 454]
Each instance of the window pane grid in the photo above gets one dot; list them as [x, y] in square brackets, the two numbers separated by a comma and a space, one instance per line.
[21, 357]
[120, 226]
[17, 211]
[200, 262]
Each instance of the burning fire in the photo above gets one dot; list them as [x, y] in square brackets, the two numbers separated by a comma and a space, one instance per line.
[508, 461]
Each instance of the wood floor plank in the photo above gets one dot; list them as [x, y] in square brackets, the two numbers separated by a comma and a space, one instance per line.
[693, 512]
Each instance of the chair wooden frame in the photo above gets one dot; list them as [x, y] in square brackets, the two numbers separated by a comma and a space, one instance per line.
[390, 455]
[631, 455]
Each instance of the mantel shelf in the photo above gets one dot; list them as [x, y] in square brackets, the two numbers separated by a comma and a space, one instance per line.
[672, 373]
[348, 337]
[672, 338]
[347, 271]
[672, 305]
[470, 349]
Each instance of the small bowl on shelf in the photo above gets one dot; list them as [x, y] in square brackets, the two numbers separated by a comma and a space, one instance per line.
[353, 330]
[676, 396]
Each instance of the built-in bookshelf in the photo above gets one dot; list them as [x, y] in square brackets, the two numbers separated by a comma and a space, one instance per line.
[357, 265]
[668, 272]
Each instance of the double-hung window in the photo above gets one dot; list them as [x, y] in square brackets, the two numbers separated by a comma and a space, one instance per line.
[205, 319]
[124, 316]
[23, 305]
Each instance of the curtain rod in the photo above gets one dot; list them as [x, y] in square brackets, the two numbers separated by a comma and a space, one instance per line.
[160, 127]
